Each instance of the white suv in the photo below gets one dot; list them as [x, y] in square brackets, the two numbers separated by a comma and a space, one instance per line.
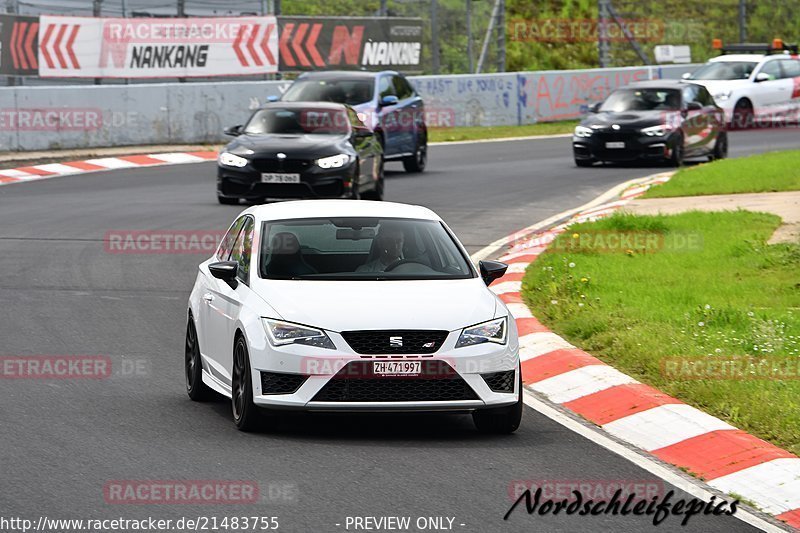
[753, 88]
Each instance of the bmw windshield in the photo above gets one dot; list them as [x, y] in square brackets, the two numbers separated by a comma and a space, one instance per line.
[642, 100]
[298, 122]
[357, 248]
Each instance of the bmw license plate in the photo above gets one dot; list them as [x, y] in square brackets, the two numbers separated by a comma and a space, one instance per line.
[274, 177]
[396, 368]
[615, 144]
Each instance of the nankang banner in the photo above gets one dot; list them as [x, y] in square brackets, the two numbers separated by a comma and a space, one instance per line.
[319, 43]
[83, 47]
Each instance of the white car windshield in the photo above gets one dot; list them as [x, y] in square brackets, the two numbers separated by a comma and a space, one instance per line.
[724, 70]
[358, 248]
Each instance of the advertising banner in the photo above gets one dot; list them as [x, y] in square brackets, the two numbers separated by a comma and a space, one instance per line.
[19, 44]
[320, 43]
[84, 47]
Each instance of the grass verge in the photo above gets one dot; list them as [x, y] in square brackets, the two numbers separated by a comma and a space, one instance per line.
[771, 172]
[472, 133]
[704, 287]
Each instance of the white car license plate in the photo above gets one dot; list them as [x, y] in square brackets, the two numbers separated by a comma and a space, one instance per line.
[615, 144]
[396, 368]
[274, 177]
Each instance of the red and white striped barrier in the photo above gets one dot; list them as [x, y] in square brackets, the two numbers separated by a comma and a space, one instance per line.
[52, 170]
[725, 457]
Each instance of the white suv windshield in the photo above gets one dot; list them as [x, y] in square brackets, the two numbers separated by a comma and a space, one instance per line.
[357, 248]
[724, 70]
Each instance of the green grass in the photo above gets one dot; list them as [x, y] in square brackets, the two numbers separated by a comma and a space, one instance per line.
[471, 133]
[776, 171]
[729, 295]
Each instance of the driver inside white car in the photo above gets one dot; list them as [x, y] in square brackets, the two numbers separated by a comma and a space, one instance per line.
[389, 248]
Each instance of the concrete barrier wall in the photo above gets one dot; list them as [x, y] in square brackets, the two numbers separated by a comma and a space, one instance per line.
[41, 118]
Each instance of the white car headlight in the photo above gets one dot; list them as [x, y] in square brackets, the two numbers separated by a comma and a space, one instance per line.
[334, 161]
[281, 333]
[232, 160]
[723, 95]
[657, 131]
[492, 331]
[583, 131]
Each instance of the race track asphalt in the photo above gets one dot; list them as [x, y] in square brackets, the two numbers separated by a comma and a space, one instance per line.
[62, 293]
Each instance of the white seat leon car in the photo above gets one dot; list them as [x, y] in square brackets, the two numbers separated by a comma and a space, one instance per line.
[336, 305]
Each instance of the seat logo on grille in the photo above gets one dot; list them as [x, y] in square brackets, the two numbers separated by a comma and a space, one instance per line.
[396, 342]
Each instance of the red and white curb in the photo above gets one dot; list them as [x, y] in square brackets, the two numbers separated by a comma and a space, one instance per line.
[53, 170]
[726, 458]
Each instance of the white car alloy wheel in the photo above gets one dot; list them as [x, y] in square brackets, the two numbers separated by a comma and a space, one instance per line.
[336, 305]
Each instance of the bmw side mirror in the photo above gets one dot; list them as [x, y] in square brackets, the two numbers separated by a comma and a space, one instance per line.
[233, 131]
[595, 107]
[273, 98]
[492, 270]
[388, 100]
[226, 271]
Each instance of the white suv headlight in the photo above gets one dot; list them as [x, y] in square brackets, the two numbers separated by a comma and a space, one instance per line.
[492, 331]
[583, 131]
[281, 333]
[334, 161]
[231, 160]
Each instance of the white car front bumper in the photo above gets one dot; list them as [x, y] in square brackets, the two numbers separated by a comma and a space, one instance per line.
[357, 389]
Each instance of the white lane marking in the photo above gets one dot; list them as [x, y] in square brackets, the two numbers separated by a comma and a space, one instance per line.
[664, 425]
[669, 474]
[502, 139]
[580, 382]
[492, 248]
[517, 268]
[14, 173]
[58, 168]
[509, 258]
[506, 287]
[111, 163]
[177, 158]
[536, 344]
[774, 486]
[519, 310]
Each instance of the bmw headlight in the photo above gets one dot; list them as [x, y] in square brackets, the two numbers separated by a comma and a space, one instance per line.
[723, 95]
[583, 131]
[281, 333]
[657, 131]
[491, 331]
[232, 160]
[334, 161]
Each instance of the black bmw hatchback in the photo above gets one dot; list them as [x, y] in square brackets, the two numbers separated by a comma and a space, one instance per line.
[666, 120]
[300, 150]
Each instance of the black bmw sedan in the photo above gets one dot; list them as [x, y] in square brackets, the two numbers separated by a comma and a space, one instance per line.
[666, 120]
[300, 150]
